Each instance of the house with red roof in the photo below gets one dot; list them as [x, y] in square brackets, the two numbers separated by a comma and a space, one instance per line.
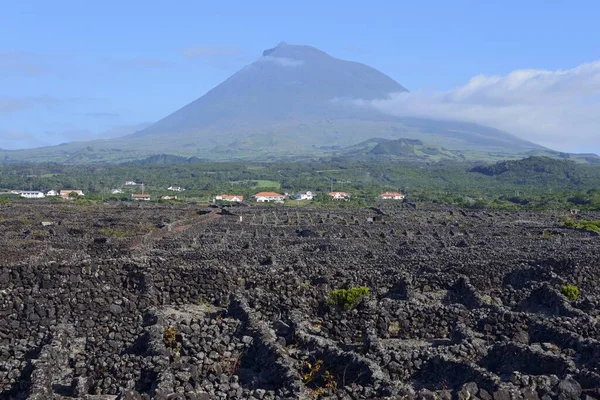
[339, 195]
[265, 197]
[230, 197]
[140, 197]
[391, 196]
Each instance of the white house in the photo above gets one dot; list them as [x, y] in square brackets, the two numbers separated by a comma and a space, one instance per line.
[140, 197]
[265, 197]
[175, 189]
[130, 183]
[308, 195]
[29, 194]
[52, 193]
[65, 193]
[230, 197]
[116, 191]
[339, 195]
[391, 196]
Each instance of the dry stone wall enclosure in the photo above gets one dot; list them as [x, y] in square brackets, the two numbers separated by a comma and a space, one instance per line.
[143, 301]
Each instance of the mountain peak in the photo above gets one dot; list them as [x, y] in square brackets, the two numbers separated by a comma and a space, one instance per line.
[295, 52]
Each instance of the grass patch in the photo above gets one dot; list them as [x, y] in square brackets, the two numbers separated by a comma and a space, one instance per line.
[588, 225]
[260, 183]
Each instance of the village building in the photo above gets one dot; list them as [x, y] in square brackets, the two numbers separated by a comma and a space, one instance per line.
[140, 197]
[130, 183]
[52, 193]
[391, 196]
[65, 194]
[230, 197]
[116, 191]
[32, 194]
[175, 189]
[266, 197]
[168, 198]
[308, 195]
[339, 195]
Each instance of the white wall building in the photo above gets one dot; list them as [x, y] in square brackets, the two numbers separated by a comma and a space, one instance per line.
[339, 195]
[391, 196]
[29, 194]
[265, 197]
[230, 197]
[308, 195]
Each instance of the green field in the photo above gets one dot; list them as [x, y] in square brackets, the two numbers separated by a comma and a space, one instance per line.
[260, 183]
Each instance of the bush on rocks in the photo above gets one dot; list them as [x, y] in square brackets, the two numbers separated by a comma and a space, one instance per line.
[347, 299]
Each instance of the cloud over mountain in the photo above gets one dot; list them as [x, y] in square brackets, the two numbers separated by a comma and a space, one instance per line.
[558, 109]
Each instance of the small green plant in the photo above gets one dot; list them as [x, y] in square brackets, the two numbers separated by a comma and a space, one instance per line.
[169, 336]
[305, 284]
[170, 340]
[347, 299]
[571, 292]
[311, 370]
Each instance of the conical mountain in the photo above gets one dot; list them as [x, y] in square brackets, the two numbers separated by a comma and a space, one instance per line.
[296, 98]
[289, 82]
[293, 101]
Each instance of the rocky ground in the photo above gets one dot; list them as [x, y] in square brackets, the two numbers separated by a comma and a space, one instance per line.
[137, 301]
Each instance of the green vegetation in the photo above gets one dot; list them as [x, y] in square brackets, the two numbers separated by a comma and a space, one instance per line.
[592, 226]
[571, 292]
[536, 183]
[347, 299]
[259, 184]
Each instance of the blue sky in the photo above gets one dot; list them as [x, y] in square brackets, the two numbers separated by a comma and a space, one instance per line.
[73, 70]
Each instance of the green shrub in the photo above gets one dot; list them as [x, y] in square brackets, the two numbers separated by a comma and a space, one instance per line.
[347, 299]
[588, 225]
[570, 291]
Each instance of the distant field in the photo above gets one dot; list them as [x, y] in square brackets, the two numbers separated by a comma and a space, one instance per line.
[261, 183]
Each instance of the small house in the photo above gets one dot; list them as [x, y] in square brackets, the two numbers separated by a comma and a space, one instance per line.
[31, 194]
[339, 195]
[391, 196]
[175, 189]
[266, 197]
[168, 198]
[116, 191]
[308, 195]
[140, 197]
[52, 193]
[65, 194]
[230, 197]
[130, 183]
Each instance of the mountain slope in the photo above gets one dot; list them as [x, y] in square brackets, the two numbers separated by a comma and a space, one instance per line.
[286, 83]
[294, 101]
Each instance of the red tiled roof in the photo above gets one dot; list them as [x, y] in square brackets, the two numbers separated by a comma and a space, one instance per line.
[231, 196]
[268, 194]
[391, 194]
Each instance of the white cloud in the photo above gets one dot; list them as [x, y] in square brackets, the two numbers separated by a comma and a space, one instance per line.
[282, 61]
[558, 109]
